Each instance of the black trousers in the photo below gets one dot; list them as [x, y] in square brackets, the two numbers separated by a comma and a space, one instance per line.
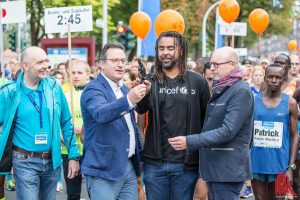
[73, 185]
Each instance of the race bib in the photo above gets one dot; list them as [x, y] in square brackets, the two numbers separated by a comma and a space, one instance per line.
[267, 134]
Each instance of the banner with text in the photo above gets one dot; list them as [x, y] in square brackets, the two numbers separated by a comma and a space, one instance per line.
[80, 19]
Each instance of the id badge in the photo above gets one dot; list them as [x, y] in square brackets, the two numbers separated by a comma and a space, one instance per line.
[41, 138]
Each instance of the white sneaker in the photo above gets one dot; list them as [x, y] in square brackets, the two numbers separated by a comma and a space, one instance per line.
[59, 187]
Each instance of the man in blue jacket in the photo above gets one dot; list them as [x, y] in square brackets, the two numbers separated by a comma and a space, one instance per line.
[112, 148]
[34, 111]
[225, 138]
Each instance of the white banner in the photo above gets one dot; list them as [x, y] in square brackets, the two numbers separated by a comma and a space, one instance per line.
[80, 19]
[241, 51]
[235, 28]
[13, 12]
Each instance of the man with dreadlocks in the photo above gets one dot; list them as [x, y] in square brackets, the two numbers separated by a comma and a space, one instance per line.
[225, 139]
[176, 102]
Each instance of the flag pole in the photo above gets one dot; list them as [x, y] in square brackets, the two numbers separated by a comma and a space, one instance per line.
[70, 72]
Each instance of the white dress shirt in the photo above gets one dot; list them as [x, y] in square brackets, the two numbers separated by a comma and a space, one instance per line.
[118, 93]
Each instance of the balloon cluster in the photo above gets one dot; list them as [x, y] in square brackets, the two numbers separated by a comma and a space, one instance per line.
[258, 19]
[168, 20]
[171, 20]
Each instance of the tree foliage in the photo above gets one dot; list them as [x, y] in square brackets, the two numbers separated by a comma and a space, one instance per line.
[35, 9]
[194, 10]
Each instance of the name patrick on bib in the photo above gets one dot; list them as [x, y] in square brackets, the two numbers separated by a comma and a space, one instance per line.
[267, 134]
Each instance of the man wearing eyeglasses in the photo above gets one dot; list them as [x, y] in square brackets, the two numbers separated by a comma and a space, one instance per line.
[34, 112]
[176, 103]
[225, 139]
[112, 148]
[295, 66]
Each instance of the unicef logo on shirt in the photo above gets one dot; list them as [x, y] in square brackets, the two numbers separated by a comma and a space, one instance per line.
[183, 90]
[176, 90]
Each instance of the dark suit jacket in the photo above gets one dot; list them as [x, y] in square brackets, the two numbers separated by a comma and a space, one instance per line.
[226, 135]
[106, 140]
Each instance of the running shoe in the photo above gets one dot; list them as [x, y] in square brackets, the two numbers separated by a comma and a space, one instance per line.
[59, 187]
[246, 192]
[10, 185]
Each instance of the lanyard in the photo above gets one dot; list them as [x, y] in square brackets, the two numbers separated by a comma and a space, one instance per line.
[39, 109]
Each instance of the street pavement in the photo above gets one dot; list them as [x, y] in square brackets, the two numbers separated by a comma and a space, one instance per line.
[11, 195]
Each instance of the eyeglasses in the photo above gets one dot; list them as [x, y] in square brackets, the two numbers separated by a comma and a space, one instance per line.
[116, 60]
[216, 65]
[295, 63]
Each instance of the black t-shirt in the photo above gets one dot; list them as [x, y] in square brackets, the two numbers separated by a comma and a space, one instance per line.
[173, 102]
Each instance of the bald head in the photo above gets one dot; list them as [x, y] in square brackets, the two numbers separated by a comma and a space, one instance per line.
[223, 61]
[35, 64]
[226, 53]
[30, 53]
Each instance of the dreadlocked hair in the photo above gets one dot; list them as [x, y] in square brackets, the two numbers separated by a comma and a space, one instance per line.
[182, 45]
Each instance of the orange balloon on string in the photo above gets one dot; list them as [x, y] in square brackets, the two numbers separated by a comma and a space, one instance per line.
[292, 45]
[169, 20]
[229, 10]
[259, 20]
[140, 24]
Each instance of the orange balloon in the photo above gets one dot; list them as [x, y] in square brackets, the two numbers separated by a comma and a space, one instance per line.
[292, 45]
[229, 10]
[169, 20]
[140, 24]
[298, 50]
[259, 20]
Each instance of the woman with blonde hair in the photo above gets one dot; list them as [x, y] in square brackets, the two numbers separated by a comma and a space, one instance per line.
[257, 78]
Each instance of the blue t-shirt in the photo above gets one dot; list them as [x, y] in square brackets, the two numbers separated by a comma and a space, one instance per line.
[253, 90]
[271, 136]
[28, 134]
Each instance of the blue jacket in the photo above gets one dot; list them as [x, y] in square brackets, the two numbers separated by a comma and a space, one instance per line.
[225, 139]
[59, 115]
[106, 138]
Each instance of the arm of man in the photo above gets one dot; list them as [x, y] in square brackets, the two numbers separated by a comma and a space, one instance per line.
[296, 96]
[239, 110]
[95, 101]
[293, 109]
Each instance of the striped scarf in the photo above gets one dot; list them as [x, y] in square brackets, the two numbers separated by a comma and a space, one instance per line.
[235, 76]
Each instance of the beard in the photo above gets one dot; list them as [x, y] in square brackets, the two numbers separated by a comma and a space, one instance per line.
[168, 65]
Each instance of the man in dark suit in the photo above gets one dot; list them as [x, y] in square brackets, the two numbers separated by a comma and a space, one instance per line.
[225, 139]
[112, 148]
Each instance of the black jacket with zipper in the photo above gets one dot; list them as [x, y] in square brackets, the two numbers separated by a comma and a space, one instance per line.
[196, 113]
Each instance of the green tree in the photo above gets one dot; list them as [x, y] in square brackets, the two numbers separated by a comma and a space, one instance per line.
[35, 8]
[123, 12]
[194, 10]
[280, 19]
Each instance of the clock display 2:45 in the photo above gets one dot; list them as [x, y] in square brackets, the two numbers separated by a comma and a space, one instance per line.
[71, 19]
